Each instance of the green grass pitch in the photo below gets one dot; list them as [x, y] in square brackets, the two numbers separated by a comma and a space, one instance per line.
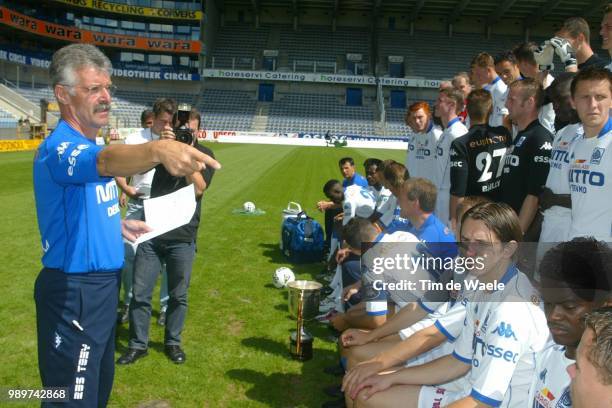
[237, 328]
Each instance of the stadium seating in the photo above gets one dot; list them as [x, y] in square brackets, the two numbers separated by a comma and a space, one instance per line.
[297, 112]
[321, 44]
[240, 42]
[432, 54]
[7, 120]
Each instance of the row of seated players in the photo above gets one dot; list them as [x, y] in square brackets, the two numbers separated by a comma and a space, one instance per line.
[418, 206]
[492, 348]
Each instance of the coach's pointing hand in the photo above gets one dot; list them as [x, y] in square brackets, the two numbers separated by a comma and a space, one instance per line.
[181, 159]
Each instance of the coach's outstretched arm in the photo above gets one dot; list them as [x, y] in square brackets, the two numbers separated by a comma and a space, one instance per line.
[178, 158]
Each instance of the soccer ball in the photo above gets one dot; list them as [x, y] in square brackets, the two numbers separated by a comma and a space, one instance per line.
[282, 276]
[248, 207]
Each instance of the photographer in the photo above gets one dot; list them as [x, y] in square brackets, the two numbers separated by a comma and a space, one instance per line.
[176, 248]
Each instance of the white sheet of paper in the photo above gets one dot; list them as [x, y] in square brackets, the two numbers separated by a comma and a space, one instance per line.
[168, 212]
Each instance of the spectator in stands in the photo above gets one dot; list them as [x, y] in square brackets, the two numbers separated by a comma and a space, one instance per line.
[491, 232]
[573, 284]
[606, 32]
[468, 176]
[137, 190]
[461, 82]
[576, 31]
[507, 67]
[590, 187]
[526, 163]
[78, 213]
[483, 68]
[448, 105]
[177, 249]
[592, 373]
[420, 158]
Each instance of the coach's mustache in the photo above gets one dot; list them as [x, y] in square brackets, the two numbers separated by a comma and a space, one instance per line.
[102, 107]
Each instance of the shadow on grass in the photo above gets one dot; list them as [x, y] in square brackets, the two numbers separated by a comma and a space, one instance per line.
[287, 389]
[273, 253]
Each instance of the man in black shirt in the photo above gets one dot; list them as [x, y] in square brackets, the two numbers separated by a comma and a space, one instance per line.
[177, 248]
[526, 165]
[576, 31]
[477, 157]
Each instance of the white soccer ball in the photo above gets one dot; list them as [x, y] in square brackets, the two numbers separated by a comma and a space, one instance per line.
[249, 207]
[282, 276]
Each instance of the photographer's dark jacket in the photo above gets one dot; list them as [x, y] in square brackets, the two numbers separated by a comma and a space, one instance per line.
[164, 183]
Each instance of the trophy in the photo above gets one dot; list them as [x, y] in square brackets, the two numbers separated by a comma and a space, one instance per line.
[304, 299]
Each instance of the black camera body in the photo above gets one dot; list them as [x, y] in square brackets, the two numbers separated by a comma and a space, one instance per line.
[181, 120]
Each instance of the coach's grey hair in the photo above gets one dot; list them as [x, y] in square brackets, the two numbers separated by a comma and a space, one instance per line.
[72, 57]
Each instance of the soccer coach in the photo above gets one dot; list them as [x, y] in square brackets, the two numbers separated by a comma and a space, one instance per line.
[80, 225]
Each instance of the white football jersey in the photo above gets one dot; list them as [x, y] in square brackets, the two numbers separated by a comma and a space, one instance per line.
[421, 156]
[381, 196]
[503, 332]
[454, 130]
[388, 211]
[499, 92]
[590, 182]
[550, 386]
[358, 202]
[142, 182]
[559, 158]
[376, 306]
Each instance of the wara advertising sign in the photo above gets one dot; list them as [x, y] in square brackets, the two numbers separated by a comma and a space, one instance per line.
[132, 10]
[61, 32]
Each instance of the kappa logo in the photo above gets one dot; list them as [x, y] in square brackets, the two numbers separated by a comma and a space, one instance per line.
[505, 330]
[598, 153]
[546, 146]
[57, 341]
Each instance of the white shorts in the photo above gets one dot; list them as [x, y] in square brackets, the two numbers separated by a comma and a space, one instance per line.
[436, 397]
[555, 229]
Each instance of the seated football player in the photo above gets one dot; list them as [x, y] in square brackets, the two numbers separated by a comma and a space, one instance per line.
[392, 175]
[573, 283]
[375, 181]
[503, 329]
[369, 352]
[358, 202]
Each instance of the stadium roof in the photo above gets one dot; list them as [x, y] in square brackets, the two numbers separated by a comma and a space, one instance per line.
[530, 11]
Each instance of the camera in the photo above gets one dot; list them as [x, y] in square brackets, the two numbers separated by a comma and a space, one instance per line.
[181, 124]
